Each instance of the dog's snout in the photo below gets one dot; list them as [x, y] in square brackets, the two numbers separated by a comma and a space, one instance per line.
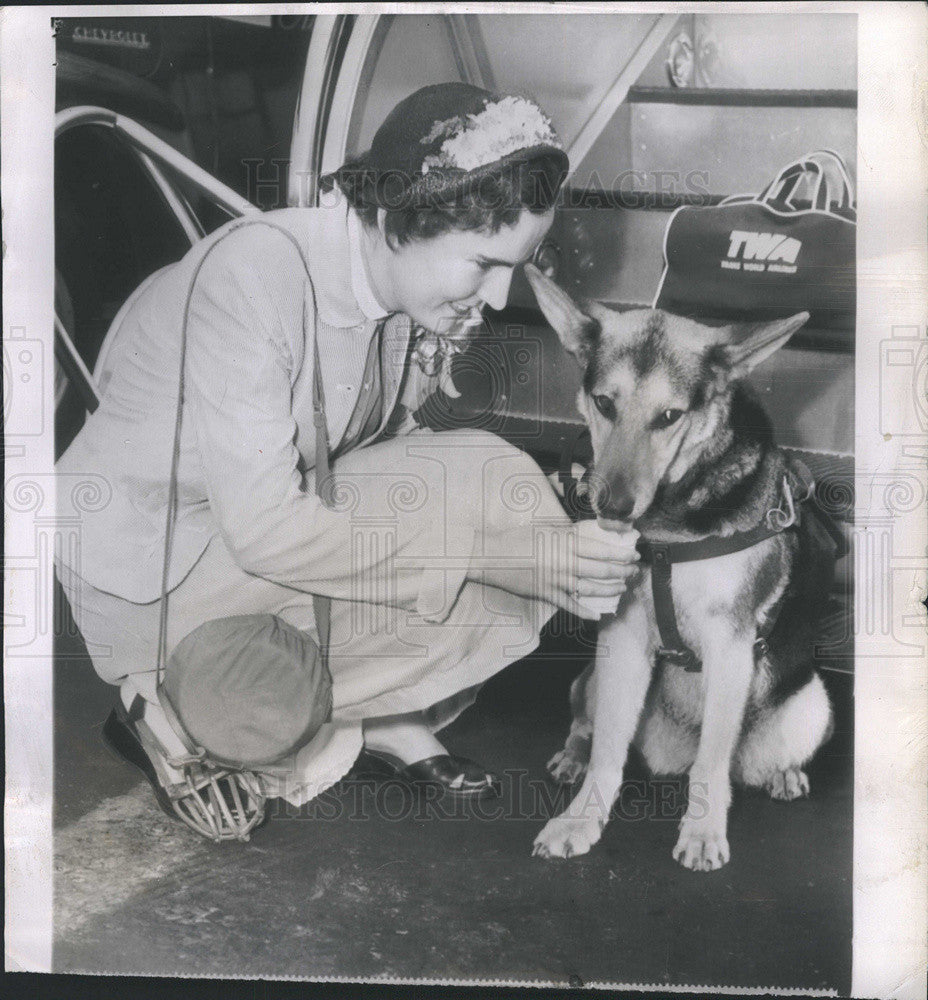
[619, 512]
[613, 503]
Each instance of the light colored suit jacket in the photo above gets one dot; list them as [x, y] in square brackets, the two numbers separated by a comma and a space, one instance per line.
[255, 297]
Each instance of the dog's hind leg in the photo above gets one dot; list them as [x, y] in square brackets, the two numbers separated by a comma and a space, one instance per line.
[569, 765]
[782, 739]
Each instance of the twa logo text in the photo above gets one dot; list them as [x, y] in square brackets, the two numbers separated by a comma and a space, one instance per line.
[747, 250]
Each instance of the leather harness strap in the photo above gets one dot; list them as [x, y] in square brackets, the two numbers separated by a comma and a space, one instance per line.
[661, 556]
[673, 648]
[705, 548]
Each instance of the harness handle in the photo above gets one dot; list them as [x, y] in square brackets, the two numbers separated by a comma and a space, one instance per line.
[662, 555]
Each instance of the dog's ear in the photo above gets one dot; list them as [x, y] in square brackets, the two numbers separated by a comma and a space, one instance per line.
[576, 330]
[747, 348]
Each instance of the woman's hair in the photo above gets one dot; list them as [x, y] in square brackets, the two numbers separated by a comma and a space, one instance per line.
[496, 199]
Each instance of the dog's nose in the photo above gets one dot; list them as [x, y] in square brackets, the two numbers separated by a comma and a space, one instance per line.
[613, 504]
[619, 512]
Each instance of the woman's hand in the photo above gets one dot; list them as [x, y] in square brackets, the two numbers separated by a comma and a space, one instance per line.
[607, 560]
[584, 570]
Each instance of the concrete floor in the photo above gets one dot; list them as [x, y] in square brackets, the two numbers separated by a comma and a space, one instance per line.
[364, 883]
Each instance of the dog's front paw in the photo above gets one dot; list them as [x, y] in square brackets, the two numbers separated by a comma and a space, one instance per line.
[567, 836]
[701, 847]
[788, 785]
[566, 767]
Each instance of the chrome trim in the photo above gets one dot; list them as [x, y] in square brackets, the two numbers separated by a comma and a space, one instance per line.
[82, 370]
[351, 75]
[152, 152]
[602, 114]
[185, 217]
[310, 115]
[469, 50]
[157, 149]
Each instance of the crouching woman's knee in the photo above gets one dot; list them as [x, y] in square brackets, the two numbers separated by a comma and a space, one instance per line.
[509, 484]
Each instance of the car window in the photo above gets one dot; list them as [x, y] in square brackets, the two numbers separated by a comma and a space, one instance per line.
[112, 229]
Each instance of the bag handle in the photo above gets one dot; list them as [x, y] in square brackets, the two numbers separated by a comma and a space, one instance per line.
[784, 186]
[322, 606]
[848, 200]
[786, 182]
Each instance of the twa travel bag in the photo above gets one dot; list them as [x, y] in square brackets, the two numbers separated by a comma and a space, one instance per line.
[753, 257]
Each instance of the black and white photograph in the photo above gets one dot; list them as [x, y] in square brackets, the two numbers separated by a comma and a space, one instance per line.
[465, 494]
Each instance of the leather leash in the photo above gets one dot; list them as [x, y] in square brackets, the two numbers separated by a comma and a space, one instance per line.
[322, 606]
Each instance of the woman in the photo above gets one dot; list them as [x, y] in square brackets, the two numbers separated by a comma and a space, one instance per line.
[444, 553]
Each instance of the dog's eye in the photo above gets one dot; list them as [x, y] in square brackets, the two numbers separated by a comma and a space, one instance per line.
[666, 419]
[605, 405]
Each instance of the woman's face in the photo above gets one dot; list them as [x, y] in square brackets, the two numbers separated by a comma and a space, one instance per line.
[442, 283]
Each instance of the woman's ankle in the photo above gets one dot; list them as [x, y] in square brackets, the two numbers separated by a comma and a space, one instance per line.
[404, 736]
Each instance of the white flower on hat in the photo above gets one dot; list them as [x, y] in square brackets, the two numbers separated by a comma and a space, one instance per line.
[503, 127]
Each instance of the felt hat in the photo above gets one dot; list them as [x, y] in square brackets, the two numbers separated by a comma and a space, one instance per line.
[443, 140]
[248, 690]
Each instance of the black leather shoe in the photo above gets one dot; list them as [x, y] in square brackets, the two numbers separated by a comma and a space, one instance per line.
[119, 735]
[458, 777]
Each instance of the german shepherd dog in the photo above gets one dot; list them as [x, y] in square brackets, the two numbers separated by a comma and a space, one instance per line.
[682, 452]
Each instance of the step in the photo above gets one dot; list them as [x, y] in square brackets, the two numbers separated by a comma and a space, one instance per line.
[695, 148]
[737, 97]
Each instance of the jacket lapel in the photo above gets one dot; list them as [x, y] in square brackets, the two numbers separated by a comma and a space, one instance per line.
[326, 241]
